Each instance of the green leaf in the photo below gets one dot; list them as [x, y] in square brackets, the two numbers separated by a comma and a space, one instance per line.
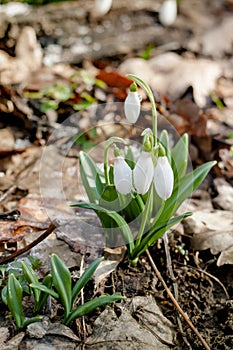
[146, 55]
[121, 223]
[4, 295]
[47, 105]
[62, 282]
[14, 300]
[47, 282]
[92, 305]
[58, 91]
[31, 277]
[32, 320]
[82, 105]
[179, 157]
[155, 232]
[85, 277]
[45, 289]
[129, 157]
[164, 139]
[92, 178]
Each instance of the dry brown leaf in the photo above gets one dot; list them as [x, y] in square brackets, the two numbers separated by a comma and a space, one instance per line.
[171, 75]
[224, 199]
[113, 256]
[36, 214]
[125, 332]
[213, 229]
[28, 58]
[218, 40]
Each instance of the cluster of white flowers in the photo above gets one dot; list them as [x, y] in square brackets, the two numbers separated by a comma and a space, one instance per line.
[145, 172]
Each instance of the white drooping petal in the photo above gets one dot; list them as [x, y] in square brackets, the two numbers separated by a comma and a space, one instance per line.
[168, 12]
[122, 176]
[143, 173]
[101, 7]
[132, 106]
[163, 178]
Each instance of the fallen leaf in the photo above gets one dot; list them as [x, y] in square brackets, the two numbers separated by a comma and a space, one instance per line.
[226, 163]
[4, 335]
[212, 230]
[36, 214]
[113, 256]
[7, 141]
[149, 330]
[218, 40]
[116, 81]
[14, 342]
[28, 58]
[171, 75]
[224, 199]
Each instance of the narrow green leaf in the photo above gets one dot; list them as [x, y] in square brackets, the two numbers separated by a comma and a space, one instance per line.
[155, 233]
[31, 277]
[47, 282]
[164, 139]
[85, 277]
[62, 282]
[92, 305]
[129, 157]
[121, 223]
[179, 157]
[32, 320]
[45, 289]
[4, 295]
[14, 300]
[91, 176]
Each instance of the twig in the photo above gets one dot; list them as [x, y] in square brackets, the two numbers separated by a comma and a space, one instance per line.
[82, 301]
[8, 192]
[45, 234]
[177, 306]
[175, 286]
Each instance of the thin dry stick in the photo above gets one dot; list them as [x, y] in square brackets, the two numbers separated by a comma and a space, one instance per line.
[186, 318]
[175, 286]
[45, 234]
[82, 301]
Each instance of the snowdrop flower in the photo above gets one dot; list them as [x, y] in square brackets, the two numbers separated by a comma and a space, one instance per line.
[122, 176]
[163, 178]
[132, 104]
[101, 7]
[168, 12]
[143, 173]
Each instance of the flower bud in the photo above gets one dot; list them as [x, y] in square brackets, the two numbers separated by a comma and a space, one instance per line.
[101, 7]
[143, 173]
[132, 104]
[122, 176]
[168, 12]
[163, 178]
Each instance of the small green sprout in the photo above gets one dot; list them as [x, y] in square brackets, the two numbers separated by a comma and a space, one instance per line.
[58, 284]
[66, 294]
